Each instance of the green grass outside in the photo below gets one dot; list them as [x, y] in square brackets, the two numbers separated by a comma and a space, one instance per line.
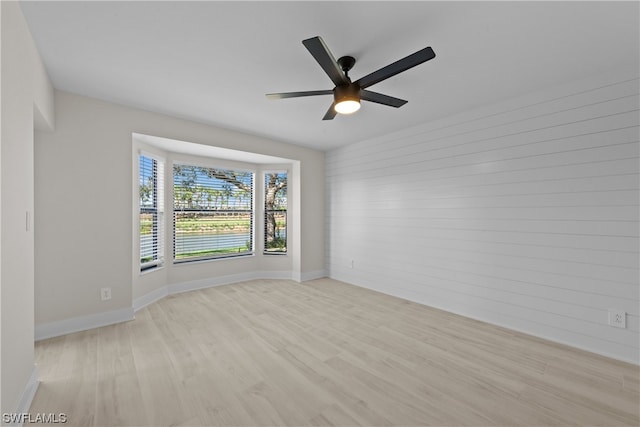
[194, 226]
[204, 253]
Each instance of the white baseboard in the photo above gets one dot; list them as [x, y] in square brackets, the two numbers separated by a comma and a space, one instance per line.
[209, 282]
[296, 276]
[280, 275]
[82, 323]
[312, 275]
[28, 395]
[633, 359]
[150, 298]
[77, 324]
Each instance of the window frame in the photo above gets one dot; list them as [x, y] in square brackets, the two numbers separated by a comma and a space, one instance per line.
[265, 174]
[158, 197]
[251, 211]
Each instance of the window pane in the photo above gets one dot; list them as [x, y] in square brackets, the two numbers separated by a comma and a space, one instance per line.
[275, 213]
[150, 212]
[148, 238]
[213, 213]
[207, 234]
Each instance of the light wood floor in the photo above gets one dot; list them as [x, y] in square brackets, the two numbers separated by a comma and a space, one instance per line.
[269, 352]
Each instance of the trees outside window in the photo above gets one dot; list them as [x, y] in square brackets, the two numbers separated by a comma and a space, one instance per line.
[213, 212]
[275, 213]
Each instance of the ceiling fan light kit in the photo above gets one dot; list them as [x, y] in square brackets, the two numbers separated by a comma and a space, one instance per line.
[346, 94]
[346, 99]
[347, 106]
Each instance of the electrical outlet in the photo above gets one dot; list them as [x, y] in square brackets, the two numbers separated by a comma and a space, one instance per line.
[351, 264]
[617, 318]
[105, 294]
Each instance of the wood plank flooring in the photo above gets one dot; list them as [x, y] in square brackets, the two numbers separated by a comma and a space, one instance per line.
[322, 353]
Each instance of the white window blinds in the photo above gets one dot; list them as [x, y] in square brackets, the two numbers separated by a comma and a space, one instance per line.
[151, 212]
[213, 213]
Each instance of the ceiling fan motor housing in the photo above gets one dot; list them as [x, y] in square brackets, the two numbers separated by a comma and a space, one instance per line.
[348, 92]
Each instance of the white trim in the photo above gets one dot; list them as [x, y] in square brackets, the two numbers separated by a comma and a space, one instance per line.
[82, 323]
[283, 275]
[634, 360]
[312, 275]
[28, 395]
[210, 282]
[194, 285]
[150, 298]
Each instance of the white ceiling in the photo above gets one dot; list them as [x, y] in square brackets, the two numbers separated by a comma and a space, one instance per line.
[213, 62]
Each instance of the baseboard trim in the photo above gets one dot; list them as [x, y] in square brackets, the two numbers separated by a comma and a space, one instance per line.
[150, 298]
[77, 324]
[632, 359]
[211, 282]
[296, 276]
[27, 396]
[194, 285]
[82, 323]
[312, 275]
[276, 275]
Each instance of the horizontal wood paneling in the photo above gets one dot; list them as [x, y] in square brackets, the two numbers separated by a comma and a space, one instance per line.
[524, 213]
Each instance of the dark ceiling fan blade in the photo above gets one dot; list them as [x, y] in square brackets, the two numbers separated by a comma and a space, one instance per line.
[379, 98]
[397, 67]
[298, 94]
[322, 54]
[331, 112]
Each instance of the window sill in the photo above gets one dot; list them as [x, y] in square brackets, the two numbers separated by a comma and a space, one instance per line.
[151, 269]
[205, 260]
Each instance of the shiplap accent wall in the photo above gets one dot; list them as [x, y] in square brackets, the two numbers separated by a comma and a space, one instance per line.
[522, 214]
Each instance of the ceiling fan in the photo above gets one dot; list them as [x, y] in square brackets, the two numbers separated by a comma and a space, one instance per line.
[347, 94]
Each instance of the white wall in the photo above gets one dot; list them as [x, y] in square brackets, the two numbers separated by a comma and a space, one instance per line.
[25, 89]
[522, 214]
[91, 149]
